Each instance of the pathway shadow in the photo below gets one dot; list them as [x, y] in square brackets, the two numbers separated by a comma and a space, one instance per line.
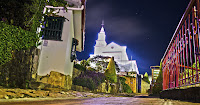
[146, 97]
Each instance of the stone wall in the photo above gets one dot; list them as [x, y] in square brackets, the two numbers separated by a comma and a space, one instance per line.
[144, 87]
[80, 88]
[132, 82]
[107, 88]
[35, 63]
[190, 94]
[22, 69]
[57, 80]
[102, 88]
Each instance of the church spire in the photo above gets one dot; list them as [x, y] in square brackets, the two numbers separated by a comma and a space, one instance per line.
[101, 41]
[102, 24]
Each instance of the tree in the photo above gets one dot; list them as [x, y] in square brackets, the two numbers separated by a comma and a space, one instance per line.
[146, 77]
[19, 21]
[110, 72]
[157, 88]
[101, 62]
[85, 63]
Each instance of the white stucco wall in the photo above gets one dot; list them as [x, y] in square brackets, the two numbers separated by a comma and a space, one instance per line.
[112, 49]
[78, 29]
[55, 56]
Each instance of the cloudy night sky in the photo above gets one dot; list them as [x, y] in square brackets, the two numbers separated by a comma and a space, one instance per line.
[144, 26]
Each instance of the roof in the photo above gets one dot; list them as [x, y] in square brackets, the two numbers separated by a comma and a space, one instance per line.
[153, 67]
[114, 44]
[75, 3]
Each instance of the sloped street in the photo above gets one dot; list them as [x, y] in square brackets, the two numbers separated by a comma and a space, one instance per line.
[137, 100]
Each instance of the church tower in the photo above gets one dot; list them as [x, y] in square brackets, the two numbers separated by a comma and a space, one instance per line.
[113, 50]
[100, 42]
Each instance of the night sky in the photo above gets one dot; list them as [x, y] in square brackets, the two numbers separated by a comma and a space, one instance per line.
[144, 26]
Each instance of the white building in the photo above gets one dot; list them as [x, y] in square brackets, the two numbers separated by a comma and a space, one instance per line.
[115, 50]
[61, 35]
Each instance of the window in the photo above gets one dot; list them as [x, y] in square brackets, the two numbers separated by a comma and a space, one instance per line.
[53, 28]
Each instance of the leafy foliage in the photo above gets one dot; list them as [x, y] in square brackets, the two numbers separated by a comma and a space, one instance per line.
[101, 62]
[157, 88]
[19, 21]
[58, 3]
[89, 79]
[85, 63]
[146, 77]
[19, 25]
[91, 69]
[79, 67]
[126, 87]
[110, 72]
[190, 72]
[26, 15]
[14, 39]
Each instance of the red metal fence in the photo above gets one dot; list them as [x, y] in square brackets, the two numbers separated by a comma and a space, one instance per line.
[180, 62]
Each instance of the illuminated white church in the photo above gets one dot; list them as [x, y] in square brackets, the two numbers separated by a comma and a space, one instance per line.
[115, 50]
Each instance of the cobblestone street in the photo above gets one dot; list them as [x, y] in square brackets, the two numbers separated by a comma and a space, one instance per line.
[138, 100]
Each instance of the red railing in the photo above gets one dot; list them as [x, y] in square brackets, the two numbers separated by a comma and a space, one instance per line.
[180, 63]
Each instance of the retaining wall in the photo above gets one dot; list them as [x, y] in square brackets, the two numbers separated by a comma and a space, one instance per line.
[189, 94]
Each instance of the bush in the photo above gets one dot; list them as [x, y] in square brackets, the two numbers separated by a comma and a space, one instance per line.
[91, 69]
[79, 67]
[146, 78]
[126, 87]
[110, 72]
[13, 39]
[157, 88]
[89, 79]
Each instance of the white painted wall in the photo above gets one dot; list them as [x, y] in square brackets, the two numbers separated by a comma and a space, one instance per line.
[56, 55]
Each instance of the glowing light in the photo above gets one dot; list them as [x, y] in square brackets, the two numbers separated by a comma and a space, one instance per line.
[91, 55]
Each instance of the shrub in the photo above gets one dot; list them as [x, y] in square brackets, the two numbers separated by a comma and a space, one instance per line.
[79, 67]
[110, 72]
[84, 63]
[13, 39]
[91, 69]
[126, 87]
[146, 78]
[89, 79]
[157, 88]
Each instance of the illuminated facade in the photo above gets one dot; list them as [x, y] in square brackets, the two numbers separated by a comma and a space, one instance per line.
[116, 51]
[132, 82]
[155, 72]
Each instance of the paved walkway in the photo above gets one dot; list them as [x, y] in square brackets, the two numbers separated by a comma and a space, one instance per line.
[137, 100]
